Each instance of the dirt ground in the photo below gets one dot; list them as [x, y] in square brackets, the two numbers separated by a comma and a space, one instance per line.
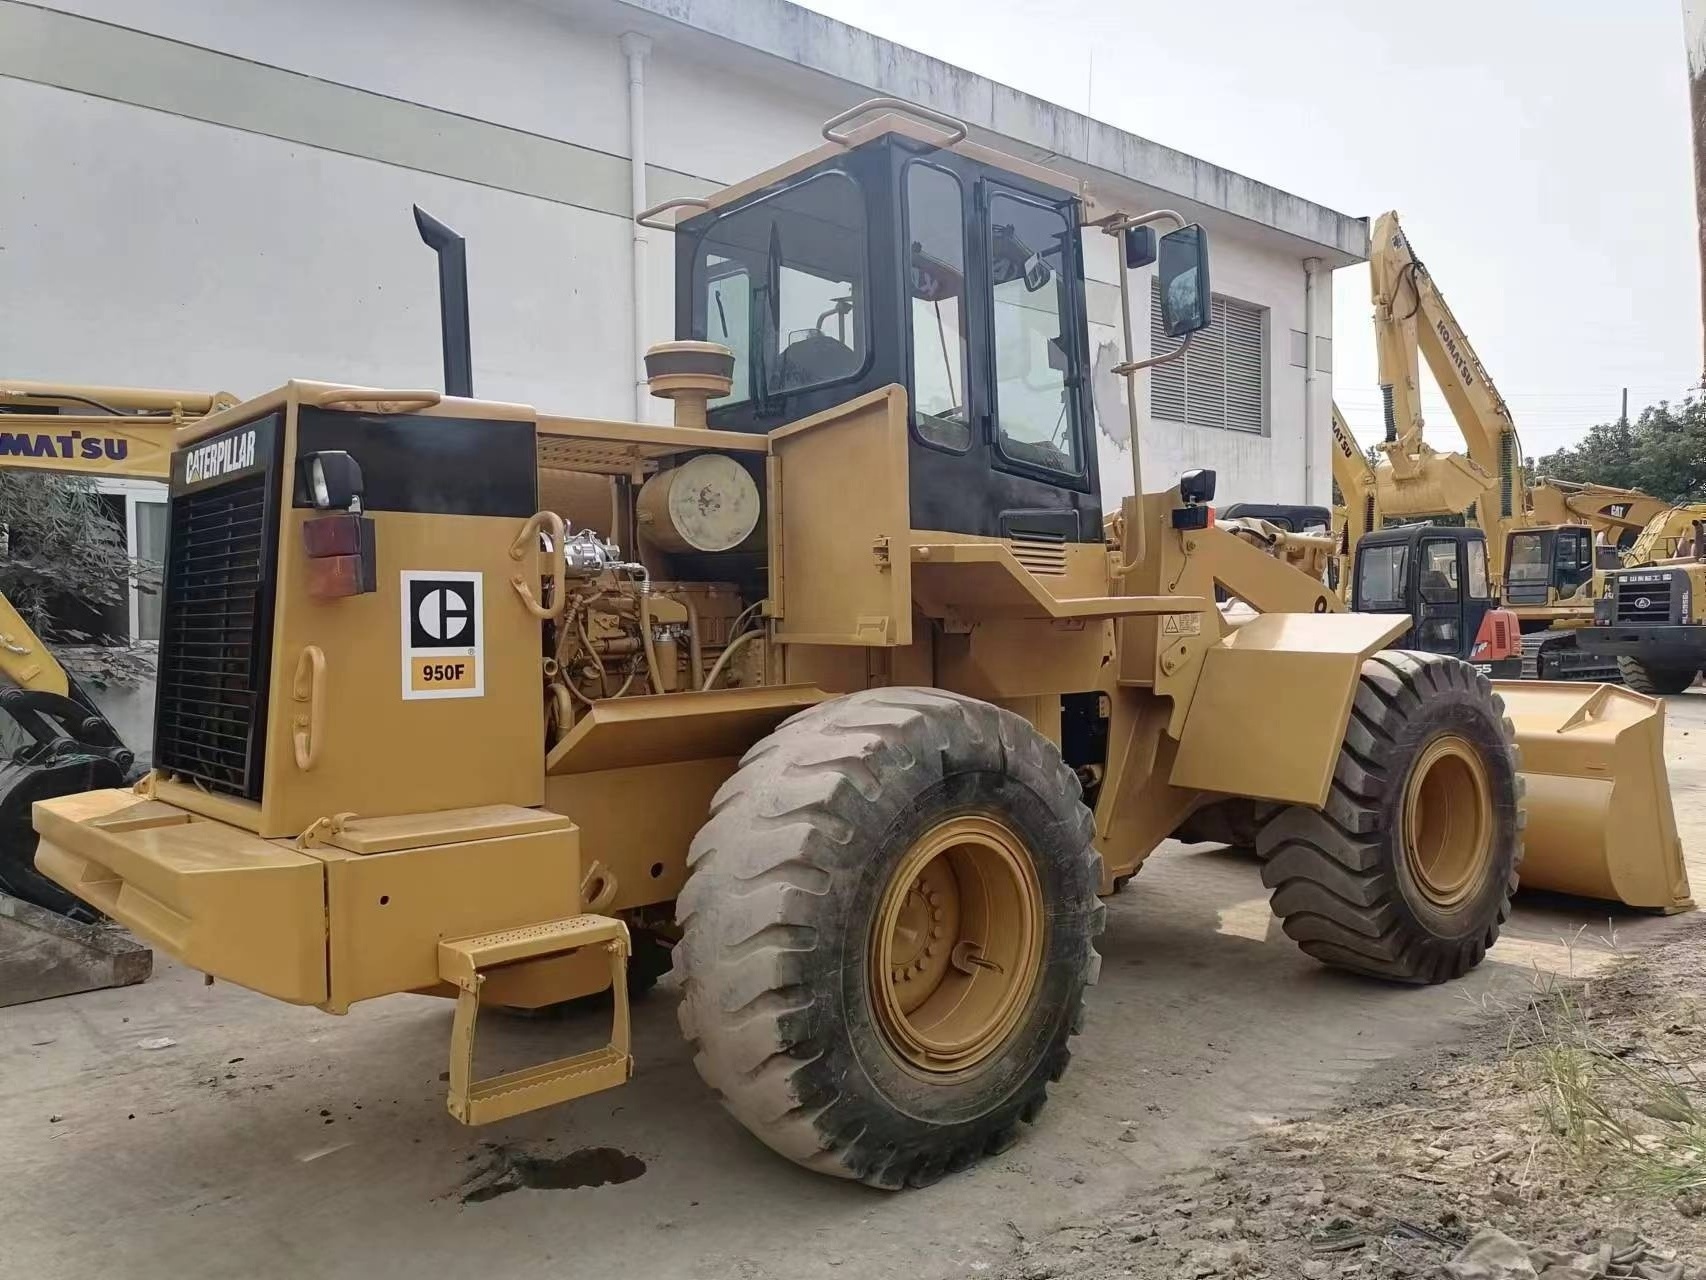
[1570, 1116]
[269, 1141]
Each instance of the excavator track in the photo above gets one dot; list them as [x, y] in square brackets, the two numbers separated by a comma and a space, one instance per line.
[1553, 655]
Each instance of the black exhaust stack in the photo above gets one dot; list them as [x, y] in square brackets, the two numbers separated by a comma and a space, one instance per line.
[452, 251]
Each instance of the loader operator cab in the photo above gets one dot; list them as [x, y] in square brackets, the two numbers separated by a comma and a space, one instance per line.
[1437, 576]
[1539, 562]
[897, 261]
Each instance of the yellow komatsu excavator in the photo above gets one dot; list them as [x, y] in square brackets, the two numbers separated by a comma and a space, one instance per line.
[1545, 538]
[54, 740]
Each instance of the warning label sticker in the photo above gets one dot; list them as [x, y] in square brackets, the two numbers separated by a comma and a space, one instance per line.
[444, 640]
[1181, 624]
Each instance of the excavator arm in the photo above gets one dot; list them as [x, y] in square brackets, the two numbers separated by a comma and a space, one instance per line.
[1359, 492]
[1412, 322]
[97, 431]
[1616, 515]
[83, 430]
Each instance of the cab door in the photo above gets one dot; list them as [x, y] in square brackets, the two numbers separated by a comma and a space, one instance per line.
[1441, 626]
[1572, 560]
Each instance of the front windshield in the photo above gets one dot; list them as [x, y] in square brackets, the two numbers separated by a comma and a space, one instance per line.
[1528, 559]
[1380, 575]
[782, 283]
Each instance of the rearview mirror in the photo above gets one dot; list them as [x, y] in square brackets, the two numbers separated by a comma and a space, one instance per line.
[1185, 296]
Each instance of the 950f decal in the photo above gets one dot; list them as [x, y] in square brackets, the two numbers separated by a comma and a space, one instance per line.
[444, 642]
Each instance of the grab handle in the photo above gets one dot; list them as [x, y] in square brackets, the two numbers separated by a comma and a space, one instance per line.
[383, 401]
[899, 106]
[307, 726]
[547, 522]
[648, 217]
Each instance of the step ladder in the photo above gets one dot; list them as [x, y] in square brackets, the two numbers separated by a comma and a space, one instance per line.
[462, 962]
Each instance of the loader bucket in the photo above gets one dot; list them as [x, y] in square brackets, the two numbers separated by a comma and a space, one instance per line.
[1600, 821]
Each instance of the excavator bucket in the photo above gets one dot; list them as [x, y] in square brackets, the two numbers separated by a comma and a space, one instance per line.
[1600, 821]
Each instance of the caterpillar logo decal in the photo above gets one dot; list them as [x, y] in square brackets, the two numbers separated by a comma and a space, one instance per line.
[231, 455]
[444, 641]
[221, 457]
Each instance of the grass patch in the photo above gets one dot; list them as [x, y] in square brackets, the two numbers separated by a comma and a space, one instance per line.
[1620, 1085]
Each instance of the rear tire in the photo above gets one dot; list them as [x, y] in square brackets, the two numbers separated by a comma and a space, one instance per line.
[890, 835]
[1643, 677]
[1408, 871]
[21, 785]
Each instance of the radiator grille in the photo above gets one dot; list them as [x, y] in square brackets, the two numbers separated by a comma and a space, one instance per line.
[1643, 601]
[1043, 556]
[216, 614]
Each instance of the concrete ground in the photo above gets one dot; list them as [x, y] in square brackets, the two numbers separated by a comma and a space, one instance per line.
[269, 1141]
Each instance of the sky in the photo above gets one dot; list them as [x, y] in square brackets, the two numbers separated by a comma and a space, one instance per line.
[1537, 150]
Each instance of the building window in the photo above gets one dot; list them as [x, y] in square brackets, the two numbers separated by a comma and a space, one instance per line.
[148, 545]
[1223, 379]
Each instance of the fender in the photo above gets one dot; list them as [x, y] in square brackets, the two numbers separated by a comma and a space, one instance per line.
[1272, 704]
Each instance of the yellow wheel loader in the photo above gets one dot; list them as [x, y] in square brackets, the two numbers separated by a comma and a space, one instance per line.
[1650, 617]
[836, 686]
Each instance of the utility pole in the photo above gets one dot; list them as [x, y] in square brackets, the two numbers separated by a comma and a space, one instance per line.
[1623, 418]
[1694, 35]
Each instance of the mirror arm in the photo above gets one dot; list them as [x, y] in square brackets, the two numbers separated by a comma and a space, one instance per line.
[1166, 357]
[1124, 222]
[1134, 546]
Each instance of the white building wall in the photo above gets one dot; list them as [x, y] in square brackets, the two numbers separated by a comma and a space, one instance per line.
[249, 222]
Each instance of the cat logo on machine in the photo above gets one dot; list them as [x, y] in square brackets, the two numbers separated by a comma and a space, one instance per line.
[444, 642]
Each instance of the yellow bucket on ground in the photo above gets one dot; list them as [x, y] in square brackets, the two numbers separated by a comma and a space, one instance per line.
[1600, 820]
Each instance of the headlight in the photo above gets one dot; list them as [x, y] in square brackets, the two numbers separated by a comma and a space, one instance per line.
[331, 480]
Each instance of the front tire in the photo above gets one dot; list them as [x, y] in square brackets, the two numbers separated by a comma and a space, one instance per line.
[1408, 871]
[887, 929]
[1644, 677]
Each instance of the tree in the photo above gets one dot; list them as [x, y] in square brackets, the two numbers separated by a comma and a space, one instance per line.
[58, 542]
[1663, 452]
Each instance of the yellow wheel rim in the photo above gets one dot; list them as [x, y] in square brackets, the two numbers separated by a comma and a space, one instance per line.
[1448, 820]
[956, 945]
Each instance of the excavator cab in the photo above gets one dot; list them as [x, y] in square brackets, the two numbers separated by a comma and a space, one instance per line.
[1437, 575]
[1548, 565]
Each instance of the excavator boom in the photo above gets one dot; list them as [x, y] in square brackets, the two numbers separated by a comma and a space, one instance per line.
[1412, 322]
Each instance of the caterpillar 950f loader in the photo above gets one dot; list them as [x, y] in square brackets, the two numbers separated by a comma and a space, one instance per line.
[836, 686]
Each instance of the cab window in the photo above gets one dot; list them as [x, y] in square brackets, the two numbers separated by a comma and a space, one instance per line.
[936, 280]
[782, 282]
[1528, 559]
[1439, 572]
[1478, 587]
[1380, 575]
[1031, 268]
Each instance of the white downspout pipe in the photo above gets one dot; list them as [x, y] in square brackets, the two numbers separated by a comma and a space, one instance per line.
[1310, 267]
[636, 48]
